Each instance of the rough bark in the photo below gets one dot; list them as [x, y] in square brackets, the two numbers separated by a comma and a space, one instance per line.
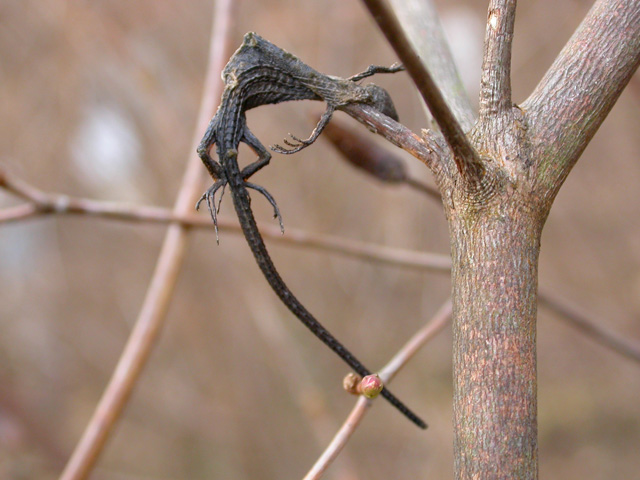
[495, 267]
[495, 223]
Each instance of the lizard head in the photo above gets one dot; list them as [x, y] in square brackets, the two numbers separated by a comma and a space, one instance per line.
[381, 100]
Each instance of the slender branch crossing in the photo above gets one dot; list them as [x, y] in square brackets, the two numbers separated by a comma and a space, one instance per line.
[465, 156]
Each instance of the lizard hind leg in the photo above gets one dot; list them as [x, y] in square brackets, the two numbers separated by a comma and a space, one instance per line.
[210, 197]
[299, 143]
[270, 199]
[264, 157]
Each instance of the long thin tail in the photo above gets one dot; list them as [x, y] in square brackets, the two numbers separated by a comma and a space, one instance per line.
[241, 203]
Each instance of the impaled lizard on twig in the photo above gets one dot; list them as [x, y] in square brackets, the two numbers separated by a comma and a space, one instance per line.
[260, 73]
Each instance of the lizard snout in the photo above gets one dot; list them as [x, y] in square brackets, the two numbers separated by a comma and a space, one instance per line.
[381, 101]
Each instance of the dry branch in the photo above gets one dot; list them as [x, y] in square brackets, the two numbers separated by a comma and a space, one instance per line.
[495, 84]
[420, 22]
[151, 318]
[43, 203]
[579, 319]
[576, 94]
[465, 156]
[362, 153]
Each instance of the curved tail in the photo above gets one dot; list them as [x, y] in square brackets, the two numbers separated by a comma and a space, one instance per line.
[241, 202]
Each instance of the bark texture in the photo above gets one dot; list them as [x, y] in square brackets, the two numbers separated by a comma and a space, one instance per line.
[495, 222]
[495, 269]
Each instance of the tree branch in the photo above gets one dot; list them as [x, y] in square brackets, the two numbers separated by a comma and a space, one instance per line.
[495, 84]
[19, 212]
[400, 359]
[156, 302]
[303, 389]
[42, 203]
[421, 24]
[340, 439]
[580, 320]
[465, 156]
[362, 153]
[415, 343]
[425, 149]
[580, 88]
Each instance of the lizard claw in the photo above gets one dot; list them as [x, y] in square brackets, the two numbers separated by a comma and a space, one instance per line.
[270, 199]
[300, 144]
[295, 147]
[210, 197]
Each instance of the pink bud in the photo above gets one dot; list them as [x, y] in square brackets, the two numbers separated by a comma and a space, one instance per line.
[371, 386]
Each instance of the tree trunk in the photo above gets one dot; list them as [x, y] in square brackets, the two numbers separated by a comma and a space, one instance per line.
[495, 268]
[497, 184]
[497, 193]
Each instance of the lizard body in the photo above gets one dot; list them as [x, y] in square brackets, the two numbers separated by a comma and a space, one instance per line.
[259, 73]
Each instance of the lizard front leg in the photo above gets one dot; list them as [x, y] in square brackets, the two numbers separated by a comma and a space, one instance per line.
[296, 147]
[373, 69]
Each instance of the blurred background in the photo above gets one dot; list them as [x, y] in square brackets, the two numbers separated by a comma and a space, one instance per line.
[99, 100]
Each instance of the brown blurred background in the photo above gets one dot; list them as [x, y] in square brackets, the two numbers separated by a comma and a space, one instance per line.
[99, 100]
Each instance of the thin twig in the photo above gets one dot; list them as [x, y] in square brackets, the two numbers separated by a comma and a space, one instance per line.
[361, 152]
[495, 84]
[465, 156]
[339, 440]
[151, 318]
[50, 203]
[310, 398]
[594, 329]
[19, 212]
[378, 253]
[426, 150]
[21, 188]
[421, 23]
[417, 341]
